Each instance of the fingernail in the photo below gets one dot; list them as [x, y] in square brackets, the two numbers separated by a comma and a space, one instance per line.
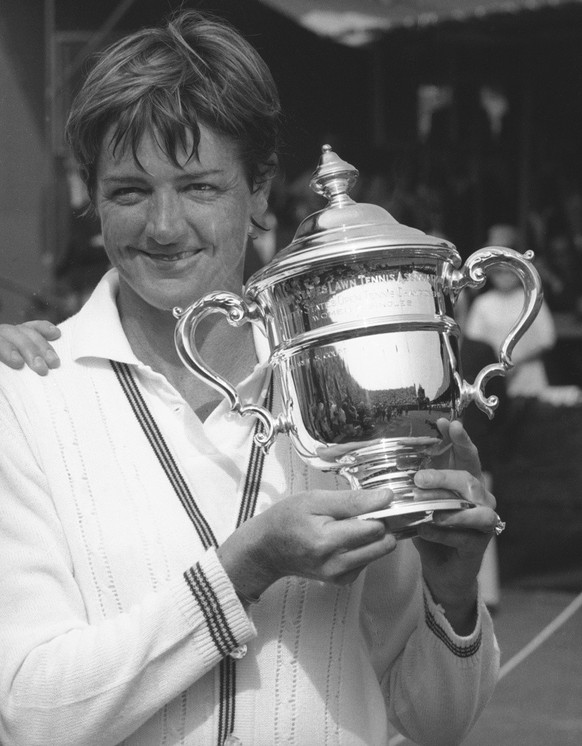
[39, 365]
[16, 358]
[52, 359]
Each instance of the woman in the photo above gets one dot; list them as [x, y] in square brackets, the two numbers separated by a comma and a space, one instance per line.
[162, 582]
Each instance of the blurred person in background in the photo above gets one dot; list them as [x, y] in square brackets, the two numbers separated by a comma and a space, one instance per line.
[493, 313]
[486, 324]
[560, 267]
[164, 581]
[488, 436]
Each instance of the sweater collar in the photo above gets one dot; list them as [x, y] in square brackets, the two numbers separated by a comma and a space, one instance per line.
[97, 332]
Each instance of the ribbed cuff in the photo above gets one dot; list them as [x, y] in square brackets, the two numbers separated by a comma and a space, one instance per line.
[210, 604]
[439, 625]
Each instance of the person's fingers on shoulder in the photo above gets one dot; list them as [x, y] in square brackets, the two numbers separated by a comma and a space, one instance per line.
[48, 330]
[41, 333]
[23, 343]
[32, 344]
[9, 354]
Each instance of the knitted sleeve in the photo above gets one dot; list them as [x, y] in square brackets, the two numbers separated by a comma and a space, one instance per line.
[435, 682]
[64, 680]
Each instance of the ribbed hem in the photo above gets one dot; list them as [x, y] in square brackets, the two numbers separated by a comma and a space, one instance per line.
[209, 602]
[439, 626]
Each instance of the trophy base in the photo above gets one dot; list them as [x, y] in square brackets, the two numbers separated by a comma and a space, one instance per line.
[393, 464]
[402, 518]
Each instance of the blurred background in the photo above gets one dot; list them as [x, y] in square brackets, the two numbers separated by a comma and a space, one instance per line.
[464, 118]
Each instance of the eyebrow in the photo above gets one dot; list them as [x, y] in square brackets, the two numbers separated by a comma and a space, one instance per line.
[139, 175]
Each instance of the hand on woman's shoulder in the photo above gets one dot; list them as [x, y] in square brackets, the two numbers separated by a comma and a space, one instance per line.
[29, 344]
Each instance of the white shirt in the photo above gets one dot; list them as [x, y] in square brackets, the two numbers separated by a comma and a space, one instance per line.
[490, 318]
[115, 621]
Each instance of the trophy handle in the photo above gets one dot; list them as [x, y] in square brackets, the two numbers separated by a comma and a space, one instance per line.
[237, 312]
[473, 274]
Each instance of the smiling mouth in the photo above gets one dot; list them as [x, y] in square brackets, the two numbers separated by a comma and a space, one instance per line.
[170, 258]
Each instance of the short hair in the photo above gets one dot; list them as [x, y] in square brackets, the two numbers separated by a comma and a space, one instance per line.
[196, 69]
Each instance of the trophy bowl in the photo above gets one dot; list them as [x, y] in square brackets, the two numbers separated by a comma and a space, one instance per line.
[358, 314]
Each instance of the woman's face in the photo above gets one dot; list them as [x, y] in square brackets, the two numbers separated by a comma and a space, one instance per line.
[176, 232]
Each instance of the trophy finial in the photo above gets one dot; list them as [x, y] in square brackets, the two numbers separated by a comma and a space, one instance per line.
[333, 177]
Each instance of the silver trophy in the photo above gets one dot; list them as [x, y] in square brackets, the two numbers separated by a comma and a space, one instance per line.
[358, 313]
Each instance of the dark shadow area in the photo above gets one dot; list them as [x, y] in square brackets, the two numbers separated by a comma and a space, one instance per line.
[538, 480]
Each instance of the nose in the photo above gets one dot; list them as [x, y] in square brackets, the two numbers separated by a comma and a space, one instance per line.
[165, 220]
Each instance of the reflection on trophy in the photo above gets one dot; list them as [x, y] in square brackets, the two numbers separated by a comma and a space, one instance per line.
[358, 312]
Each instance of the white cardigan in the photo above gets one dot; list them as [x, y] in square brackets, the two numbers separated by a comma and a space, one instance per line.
[103, 635]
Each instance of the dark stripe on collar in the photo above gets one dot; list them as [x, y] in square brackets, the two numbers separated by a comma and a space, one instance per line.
[163, 454]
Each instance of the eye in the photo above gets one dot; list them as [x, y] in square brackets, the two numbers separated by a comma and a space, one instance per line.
[127, 195]
[199, 186]
[123, 191]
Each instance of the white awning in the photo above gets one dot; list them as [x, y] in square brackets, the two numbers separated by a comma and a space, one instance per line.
[357, 22]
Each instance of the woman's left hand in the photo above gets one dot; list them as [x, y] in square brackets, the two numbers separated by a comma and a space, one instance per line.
[451, 547]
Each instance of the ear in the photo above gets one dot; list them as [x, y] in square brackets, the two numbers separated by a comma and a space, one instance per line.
[260, 199]
[262, 189]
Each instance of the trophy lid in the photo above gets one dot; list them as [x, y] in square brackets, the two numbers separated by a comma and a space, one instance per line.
[347, 229]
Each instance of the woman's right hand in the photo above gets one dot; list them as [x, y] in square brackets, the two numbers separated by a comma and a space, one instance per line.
[312, 535]
[29, 343]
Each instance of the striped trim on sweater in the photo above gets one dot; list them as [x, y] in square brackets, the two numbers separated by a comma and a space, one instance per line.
[461, 651]
[199, 585]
